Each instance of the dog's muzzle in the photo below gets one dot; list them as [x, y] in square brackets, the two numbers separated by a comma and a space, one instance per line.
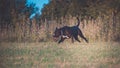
[55, 38]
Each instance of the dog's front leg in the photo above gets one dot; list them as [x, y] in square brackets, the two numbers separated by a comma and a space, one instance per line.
[61, 40]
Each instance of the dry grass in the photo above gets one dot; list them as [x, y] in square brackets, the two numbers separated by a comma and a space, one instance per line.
[65, 55]
[34, 31]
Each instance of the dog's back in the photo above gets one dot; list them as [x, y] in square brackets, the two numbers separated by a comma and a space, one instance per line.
[72, 29]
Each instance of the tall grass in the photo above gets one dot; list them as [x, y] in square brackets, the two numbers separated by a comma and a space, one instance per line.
[36, 31]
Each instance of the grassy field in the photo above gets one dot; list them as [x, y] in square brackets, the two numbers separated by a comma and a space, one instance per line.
[65, 55]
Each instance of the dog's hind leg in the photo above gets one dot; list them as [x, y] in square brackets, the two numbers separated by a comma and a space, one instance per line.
[82, 36]
[72, 39]
[76, 38]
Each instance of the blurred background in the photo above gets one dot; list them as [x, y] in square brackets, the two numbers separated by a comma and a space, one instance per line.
[35, 20]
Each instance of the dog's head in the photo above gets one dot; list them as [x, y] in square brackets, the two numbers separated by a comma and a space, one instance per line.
[57, 33]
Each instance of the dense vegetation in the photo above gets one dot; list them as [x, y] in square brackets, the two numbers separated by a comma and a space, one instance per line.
[100, 19]
[83, 8]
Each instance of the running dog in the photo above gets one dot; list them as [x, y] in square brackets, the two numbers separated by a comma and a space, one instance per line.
[67, 32]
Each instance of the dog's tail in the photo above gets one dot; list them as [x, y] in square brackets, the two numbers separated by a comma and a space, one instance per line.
[78, 21]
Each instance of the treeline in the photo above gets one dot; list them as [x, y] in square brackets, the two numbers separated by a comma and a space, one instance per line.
[100, 19]
[83, 8]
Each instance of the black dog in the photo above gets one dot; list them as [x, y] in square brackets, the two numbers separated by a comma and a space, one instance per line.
[69, 32]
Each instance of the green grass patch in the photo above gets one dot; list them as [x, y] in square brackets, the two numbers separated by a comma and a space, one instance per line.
[65, 55]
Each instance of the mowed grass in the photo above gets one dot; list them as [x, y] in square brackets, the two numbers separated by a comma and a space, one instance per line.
[65, 55]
